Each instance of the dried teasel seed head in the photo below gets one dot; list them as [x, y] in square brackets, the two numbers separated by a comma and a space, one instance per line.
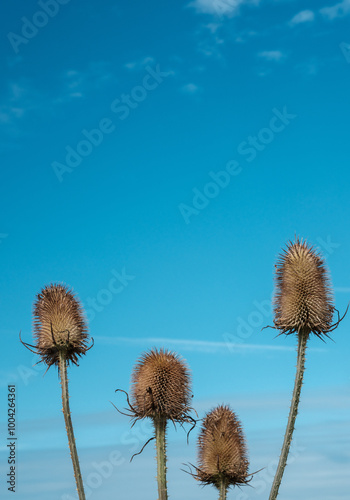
[59, 324]
[303, 299]
[161, 386]
[222, 452]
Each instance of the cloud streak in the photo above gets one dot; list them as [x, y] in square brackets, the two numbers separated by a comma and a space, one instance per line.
[195, 345]
[272, 55]
[228, 8]
[140, 64]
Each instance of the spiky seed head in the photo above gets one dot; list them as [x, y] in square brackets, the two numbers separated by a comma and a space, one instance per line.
[161, 386]
[222, 452]
[59, 324]
[303, 299]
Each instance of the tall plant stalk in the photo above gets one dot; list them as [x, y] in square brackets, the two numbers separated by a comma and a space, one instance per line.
[161, 392]
[303, 305]
[223, 489]
[69, 425]
[302, 341]
[61, 336]
[160, 432]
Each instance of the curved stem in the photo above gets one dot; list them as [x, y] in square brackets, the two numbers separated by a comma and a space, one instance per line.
[302, 341]
[160, 430]
[69, 425]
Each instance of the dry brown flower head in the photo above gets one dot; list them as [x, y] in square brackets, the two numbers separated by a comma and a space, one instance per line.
[222, 452]
[161, 386]
[303, 299]
[59, 324]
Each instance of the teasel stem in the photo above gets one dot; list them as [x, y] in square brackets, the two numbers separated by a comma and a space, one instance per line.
[69, 425]
[223, 489]
[160, 431]
[302, 341]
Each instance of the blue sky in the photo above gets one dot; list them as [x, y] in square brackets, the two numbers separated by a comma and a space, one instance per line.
[156, 158]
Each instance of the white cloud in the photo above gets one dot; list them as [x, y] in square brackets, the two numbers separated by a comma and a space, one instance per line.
[209, 40]
[139, 64]
[189, 88]
[213, 27]
[27, 98]
[302, 17]
[272, 55]
[77, 83]
[340, 9]
[19, 100]
[310, 68]
[227, 8]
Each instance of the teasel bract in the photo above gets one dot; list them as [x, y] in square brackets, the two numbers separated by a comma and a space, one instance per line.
[303, 305]
[222, 451]
[61, 337]
[161, 391]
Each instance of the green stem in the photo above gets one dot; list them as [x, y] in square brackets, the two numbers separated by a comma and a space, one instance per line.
[222, 490]
[69, 425]
[160, 429]
[302, 341]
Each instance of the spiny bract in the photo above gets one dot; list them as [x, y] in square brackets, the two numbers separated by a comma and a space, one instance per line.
[59, 324]
[222, 453]
[161, 386]
[303, 299]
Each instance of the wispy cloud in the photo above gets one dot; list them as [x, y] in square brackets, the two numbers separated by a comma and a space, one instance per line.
[302, 17]
[210, 41]
[311, 67]
[25, 100]
[227, 8]
[341, 289]
[139, 64]
[23, 95]
[19, 101]
[48, 475]
[340, 9]
[272, 55]
[194, 345]
[189, 88]
[77, 84]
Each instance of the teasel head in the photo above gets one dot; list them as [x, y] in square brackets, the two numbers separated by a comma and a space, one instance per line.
[222, 451]
[161, 387]
[59, 325]
[303, 298]
[60, 331]
[160, 391]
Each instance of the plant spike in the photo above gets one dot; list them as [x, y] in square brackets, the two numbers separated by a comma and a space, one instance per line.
[61, 336]
[303, 305]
